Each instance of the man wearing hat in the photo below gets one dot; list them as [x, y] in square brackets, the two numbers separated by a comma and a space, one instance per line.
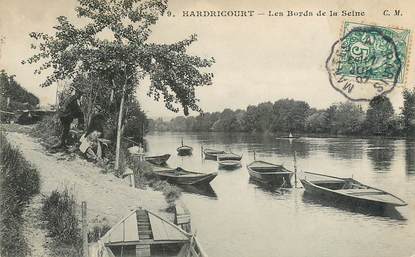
[70, 110]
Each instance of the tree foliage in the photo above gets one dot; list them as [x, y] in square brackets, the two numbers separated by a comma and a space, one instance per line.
[379, 115]
[290, 115]
[112, 48]
[287, 115]
[347, 118]
[317, 122]
[408, 112]
[261, 118]
[19, 97]
[137, 124]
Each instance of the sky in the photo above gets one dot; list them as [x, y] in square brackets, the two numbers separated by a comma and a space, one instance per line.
[260, 58]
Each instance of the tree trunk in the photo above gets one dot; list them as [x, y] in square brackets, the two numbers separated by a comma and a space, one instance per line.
[119, 130]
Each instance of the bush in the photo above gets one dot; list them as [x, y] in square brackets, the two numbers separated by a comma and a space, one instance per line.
[48, 129]
[59, 212]
[18, 182]
[171, 194]
[144, 176]
[97, 232]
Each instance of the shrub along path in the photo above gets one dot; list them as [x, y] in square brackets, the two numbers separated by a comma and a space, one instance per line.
[107, 196]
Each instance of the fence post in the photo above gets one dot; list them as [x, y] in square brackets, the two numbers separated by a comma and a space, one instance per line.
[84, 230]
[295, 169]
[132, 180]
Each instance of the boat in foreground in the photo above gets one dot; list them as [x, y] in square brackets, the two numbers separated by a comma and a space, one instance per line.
[229, 156]
[270, 173]
[229, 164]
[348, 190]
[146, 234]
[212, 154]
[158, 159]
[181, 176]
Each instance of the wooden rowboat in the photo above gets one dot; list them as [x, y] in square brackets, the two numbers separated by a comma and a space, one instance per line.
[212, 154]
[158, 159]
[229, 164]
[144, 233]
[270, 173]
[229, 156]
[184, 150]
[348, 190]
[184, 177]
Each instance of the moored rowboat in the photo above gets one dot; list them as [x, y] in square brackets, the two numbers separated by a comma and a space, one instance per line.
[184, 150]
[270, 173]
[212, 154]
[158, 159]
[348, 190]
[184, 177]
[229, 156]
[229, 164]
[144, 233]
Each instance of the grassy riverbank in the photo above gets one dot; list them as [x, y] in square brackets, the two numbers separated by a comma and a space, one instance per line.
[109, 197]
[18, 183]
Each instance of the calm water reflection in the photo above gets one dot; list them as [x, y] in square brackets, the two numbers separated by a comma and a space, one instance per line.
[381, 153]
[388, 213]
[341, 149]
[410, 157]
[238, 217]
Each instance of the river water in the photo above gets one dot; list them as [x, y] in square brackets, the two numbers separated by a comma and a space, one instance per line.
[238, 217]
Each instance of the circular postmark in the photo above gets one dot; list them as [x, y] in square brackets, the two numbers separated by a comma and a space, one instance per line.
[363, 64]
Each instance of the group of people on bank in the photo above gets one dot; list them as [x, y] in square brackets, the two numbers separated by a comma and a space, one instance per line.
[90, 141]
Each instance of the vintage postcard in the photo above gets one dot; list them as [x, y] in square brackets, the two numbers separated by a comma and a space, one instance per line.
[199, 128]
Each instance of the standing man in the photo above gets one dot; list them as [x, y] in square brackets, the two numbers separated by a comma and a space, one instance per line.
[70, 110]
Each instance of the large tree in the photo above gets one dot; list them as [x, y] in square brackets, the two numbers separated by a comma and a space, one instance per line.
[227, 122]
[346, 118]
[112, 48]
[379, 115]
[317, 122]
[290, 115]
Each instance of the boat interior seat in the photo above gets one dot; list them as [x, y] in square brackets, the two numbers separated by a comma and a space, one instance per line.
[353, 186]
[357, 191]
[328, 181]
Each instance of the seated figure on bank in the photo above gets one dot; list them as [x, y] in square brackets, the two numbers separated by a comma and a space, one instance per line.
[91, 145]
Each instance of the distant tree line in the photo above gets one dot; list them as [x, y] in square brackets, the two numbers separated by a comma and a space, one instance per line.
[19, 98]
[288, 115]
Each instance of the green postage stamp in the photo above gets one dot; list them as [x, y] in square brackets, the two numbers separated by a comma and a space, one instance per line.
[368, 60]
